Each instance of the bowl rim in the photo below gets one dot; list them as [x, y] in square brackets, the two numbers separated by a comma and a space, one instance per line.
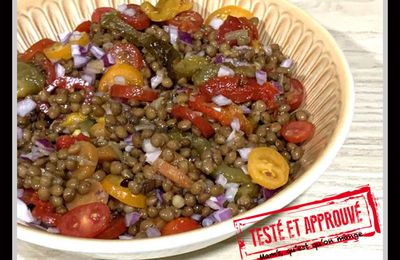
[226, 229]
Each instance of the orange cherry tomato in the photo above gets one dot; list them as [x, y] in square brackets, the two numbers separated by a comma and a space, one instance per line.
[297, 131]
[179, 225]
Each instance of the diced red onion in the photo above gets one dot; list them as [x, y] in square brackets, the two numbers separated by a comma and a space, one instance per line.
[287, 63]
[85, 49]
[94, 67]
[244, 153]
[64, 37]
[151, 157]
[221, 199]
[201, 53]
[185, 37]
[196, 217]
[221, 100]
[119, 80]
[75, 50]
[128, 139]
[53, 230]
[122, 7]
[166, 28]
[132, 218]
[173, 34]
[75, 36]
[278, 86]
[231, 190]
[20, 133]
[108, 60]
[221, 180]
[129, 148]
[219, 59]
[89, 78]
[231, 136]
[222, 214]
[44, 145]
[125, 237]
[213, 203]
[244, 169]
[268, 49]
[23, 212]
[148, 147]
[207, 222]
[153, 232]
[235, 124]
[245, 109]
[24, 107]
[261, 77]
[60, 70]
[267, 193]
[129, 12]
[156, 80]
[159, 197]
[97, 52]
[20, 193]
[216, 23]
[80, 61]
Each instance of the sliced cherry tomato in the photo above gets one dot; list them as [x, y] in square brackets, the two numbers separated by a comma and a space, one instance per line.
[59, 51]
[297, 131]
[131, 75]
[85, 221]
[165, 9]
[234, 24]
[42, 210]
[240, 90]
[295, 96]
[181, 112]
[116, 228]
[189, 21]
[65, 141]
[132, 92]
[98, 13]
[47, 66]
[71, 84]
[268, 168]
[179, 225]
[127, 53]
[36, 48]
[84, 27]
[139, 20]
[231, 10]
[112, 185]
[224, 115]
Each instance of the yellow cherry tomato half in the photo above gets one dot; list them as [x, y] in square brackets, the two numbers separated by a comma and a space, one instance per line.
[87, 160]
[74, 119]
[231, 10]
[165, 9]
[268, 168]
[112, 185]
[60, 51]
[131, 75]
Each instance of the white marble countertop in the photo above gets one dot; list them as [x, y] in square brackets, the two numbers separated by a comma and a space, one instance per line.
[357, 26]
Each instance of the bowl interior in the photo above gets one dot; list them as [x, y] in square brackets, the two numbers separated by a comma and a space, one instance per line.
[319, 64]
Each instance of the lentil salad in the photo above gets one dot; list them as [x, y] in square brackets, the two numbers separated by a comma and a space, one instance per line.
[148, 121]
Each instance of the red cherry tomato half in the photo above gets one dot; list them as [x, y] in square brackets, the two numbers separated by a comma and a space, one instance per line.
[139, 20]
[295, 96]
[114, 230]
[127, 53]
[297, 131]
[96, 16]
[87, 220]
[233, 24]
[84, 27]
[189, 21]
[36, 48]
[179, 225]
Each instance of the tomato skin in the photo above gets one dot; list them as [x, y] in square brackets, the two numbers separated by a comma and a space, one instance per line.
[139, 21]
[296, 94]
[181, 112]
[65, 141]
[297, 131]
[136, 93]
[127, 53]
[96, 16]
[234, 24]
[188, 21]
[85, 221]
[240, 90]
[36, 48]
[84, 27]
[179, 225]
[116, 228]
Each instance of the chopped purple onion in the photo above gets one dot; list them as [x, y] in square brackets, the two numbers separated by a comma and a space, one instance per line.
[231, 190]
[207, 222]
[213, 203]
[128, 140]
[97, 52]
[278, 86]
[23, 212]
[261, 77]
[125, 237]
[60, 70]
[20, 193]
[108, 60]
[219, 59]
[75, 36]
[222, 214]
[287, 63]
[20, 133]
[80, 61]
[45, 145]
[64, 37]
[75, 50]
[89, 78]
[122, 7]
[159, 194]
[244, 153]
[53, 230]
[173, 34]
[185, 37]
[216, 23]
[129, 12]
[267, 193]
[153, 232]
[221, 100]
[24, 107]
[221, 180]
[196, 217]
[245, 109]
[132, 218]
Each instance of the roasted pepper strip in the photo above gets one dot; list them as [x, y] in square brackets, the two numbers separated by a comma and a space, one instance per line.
[132, 92]
[162, 50]
[181, 112]
[223, 115]
[165, 9]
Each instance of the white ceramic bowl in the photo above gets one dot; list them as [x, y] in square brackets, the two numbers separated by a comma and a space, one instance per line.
[320, 65]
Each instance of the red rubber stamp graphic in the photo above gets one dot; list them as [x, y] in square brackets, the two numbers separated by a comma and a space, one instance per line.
[336, 219]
